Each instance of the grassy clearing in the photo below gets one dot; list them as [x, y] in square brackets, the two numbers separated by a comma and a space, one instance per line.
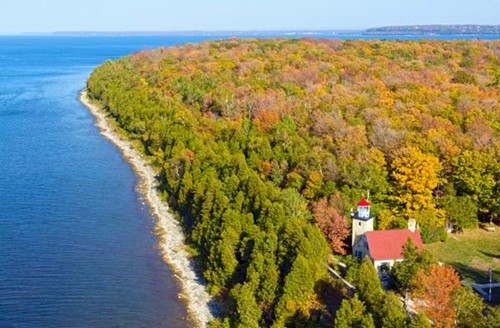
[471, 254]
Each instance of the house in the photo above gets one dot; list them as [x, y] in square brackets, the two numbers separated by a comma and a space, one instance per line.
[384, 247]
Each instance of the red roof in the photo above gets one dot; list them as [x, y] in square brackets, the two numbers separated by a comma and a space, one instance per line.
[388, 244]
[363, 202]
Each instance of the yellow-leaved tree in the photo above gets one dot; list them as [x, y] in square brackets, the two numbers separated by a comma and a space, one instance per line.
[415, 176]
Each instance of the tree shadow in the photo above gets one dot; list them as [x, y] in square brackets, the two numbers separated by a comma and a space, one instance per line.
[331, 292]
[478, 276]
[495, 256]
[475, 275]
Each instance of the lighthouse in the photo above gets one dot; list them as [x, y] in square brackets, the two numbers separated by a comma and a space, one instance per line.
[362, 221]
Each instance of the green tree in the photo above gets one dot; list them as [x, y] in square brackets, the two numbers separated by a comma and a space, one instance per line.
[392, 314]
[368, 285]
[403, 272]
[469, 307]
[493, 317]
[294, 204]
[476, 175]
[352, 313]
[420, 320]
[222, 262]
[461, 211]
[247, 311]
[263, 272]
[352, 270]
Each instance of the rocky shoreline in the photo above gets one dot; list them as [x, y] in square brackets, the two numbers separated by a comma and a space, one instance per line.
[171, 238]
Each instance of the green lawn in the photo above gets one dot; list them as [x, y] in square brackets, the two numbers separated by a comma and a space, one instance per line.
[471, 254]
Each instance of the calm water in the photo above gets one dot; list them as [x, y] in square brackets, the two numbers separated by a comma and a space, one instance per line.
[76, 248]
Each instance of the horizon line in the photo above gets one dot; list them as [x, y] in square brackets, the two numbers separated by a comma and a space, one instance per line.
[167, 32]
[230, 31]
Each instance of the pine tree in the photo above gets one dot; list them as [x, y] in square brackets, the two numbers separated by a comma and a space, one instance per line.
[420, 321]
[469, 307]
[352, 313]
[247, 311]
[392, 314]
[368, 285]
[402, 273]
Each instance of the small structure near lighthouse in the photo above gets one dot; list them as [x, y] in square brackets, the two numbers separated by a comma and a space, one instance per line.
[383, 247]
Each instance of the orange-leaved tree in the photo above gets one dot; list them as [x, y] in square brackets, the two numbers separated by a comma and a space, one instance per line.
[433, 294]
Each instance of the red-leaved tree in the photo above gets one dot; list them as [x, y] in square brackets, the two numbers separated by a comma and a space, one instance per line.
[334, 226]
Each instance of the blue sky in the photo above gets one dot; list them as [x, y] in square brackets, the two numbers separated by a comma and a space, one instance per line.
[183, 15]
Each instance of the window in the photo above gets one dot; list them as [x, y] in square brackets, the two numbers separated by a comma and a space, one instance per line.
[359, 223]
[384, 270]
[385, 266]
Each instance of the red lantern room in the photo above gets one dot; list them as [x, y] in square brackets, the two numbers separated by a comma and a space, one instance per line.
[363, 209]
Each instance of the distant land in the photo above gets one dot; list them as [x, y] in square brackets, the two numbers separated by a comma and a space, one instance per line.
[226, 32]
[469, 29]
[434, 29]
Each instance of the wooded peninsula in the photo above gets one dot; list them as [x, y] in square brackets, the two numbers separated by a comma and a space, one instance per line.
[262, 147]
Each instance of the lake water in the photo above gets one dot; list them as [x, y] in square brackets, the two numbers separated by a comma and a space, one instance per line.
[76, 242]
[76, 248]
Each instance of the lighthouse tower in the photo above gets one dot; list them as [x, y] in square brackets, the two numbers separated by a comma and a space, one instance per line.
[362, 222]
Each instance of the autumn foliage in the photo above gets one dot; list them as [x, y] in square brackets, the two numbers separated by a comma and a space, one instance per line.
[334, 226]
[433, 294]
[252, 138]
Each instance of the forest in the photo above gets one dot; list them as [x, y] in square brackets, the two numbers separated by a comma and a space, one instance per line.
[262, 147]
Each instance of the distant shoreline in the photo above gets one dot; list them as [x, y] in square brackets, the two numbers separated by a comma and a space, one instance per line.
[171, 238]
[443, 30]
[421, 30]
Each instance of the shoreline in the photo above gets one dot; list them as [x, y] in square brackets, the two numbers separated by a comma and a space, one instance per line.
[171, 237]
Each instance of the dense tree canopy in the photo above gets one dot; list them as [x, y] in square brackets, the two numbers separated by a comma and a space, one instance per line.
[250, 139]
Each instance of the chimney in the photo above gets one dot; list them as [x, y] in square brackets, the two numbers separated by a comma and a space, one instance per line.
[412, 224]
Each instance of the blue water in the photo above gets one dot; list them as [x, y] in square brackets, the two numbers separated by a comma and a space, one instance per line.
[76, 248]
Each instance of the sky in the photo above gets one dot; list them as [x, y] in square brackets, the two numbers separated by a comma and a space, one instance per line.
[237, 15]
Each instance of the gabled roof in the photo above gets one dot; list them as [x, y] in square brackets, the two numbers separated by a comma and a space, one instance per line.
[363, 202]
[388, 244]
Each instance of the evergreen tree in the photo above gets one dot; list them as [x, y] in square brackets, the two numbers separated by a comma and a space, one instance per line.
[392, 314]
[368, 286]
[352, 313]
[420, 320]
[247, 312]
[493, 317]
[403, 272]
[469, 307]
